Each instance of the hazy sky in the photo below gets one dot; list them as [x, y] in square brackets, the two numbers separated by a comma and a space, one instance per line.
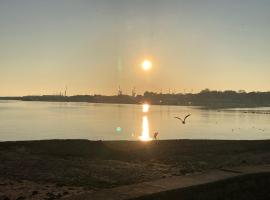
[92, 46]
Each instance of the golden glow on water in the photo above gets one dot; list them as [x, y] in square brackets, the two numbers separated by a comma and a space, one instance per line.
[145, 108]
[145, 125]
[145, 130]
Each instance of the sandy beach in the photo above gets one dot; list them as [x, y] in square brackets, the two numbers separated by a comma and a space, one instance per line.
[53, 169]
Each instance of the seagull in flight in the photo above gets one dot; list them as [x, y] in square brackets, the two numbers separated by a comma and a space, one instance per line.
[183, 121]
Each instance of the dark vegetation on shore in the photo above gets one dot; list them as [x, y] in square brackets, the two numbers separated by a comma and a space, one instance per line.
[205, 98]
[105, 164]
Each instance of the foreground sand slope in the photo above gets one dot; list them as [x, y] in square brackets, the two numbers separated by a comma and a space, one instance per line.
[57, 168]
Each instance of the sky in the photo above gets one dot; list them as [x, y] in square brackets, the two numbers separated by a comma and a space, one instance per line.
[94, 46]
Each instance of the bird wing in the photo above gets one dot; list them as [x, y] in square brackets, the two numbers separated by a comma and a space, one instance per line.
[187, 117]
[178, 118]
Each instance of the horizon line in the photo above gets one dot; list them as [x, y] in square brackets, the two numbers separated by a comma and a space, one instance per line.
[125, 94]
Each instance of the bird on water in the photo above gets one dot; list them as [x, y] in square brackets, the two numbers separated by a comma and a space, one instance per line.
[155, 135]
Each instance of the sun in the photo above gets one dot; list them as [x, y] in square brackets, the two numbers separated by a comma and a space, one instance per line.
[146, 65]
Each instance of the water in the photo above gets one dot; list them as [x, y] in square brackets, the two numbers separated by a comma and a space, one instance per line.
[46, 120]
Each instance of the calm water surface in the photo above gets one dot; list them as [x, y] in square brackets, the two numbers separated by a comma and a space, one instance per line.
[46, 120]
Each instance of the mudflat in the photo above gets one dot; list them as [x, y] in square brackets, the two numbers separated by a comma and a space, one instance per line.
[53, 169]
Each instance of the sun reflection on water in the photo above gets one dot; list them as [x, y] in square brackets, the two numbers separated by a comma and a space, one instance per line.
[145, 125]
[145, 107]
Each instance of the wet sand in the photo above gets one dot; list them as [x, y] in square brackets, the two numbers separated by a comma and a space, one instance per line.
[53, 169]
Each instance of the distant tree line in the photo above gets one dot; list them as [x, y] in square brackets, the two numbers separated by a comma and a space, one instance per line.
[210, 98]
[206, 98]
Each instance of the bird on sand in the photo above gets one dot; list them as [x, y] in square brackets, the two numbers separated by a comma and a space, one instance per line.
[183, 121]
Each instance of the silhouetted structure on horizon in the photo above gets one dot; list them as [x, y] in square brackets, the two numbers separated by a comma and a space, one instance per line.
[206, 98]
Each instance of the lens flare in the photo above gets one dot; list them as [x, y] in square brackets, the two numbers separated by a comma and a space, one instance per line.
[118, 129]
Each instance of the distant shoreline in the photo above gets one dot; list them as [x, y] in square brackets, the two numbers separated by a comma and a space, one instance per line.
[205, 99]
